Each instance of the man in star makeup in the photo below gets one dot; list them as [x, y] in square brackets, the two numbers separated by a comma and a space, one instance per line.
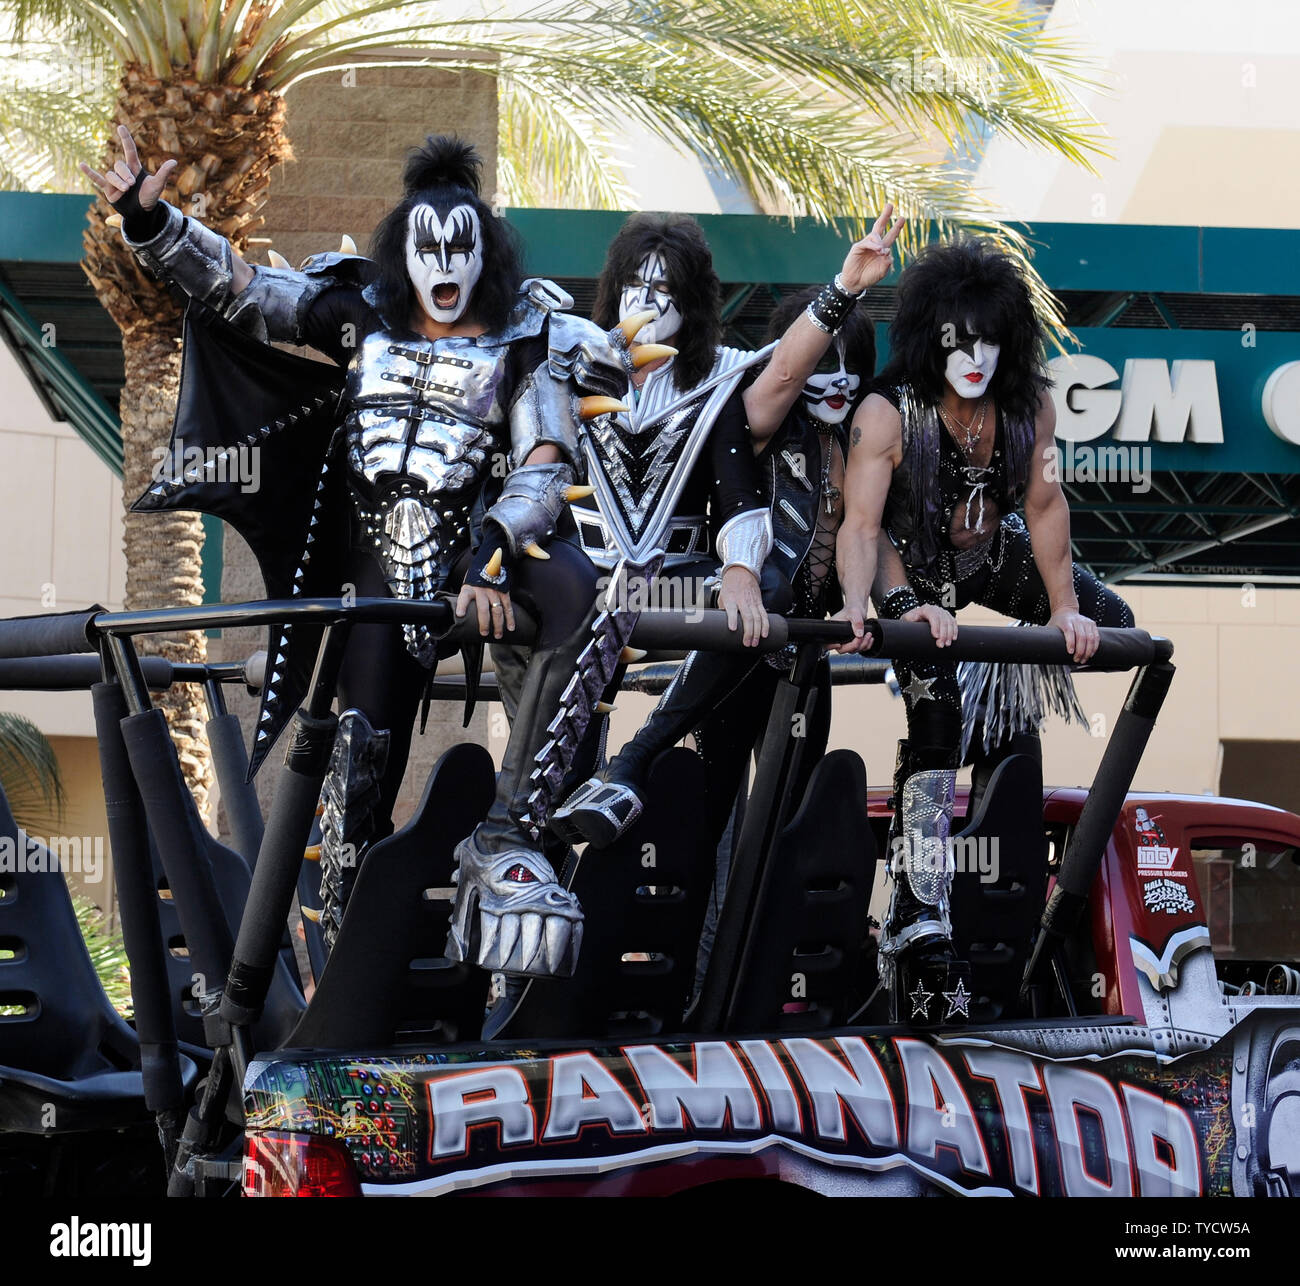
[946, 450]
[457, 450]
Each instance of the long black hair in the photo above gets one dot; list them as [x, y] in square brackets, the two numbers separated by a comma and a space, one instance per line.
[967, 284]
[445, 171]
[691, 278]
[858, 334]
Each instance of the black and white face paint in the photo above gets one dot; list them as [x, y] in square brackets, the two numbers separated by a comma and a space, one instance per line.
[648, 291]
[971, 363]
[829, 394]
[444, 257]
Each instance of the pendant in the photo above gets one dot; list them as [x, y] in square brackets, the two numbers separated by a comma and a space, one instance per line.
[832, 499]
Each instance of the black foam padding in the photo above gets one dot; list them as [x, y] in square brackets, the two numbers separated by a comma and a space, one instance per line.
[238, 796]
[609, 997]
[1119, 649]
[813, 920]
[387, 974]
[207, 886]
[48, 634]
[137, 901]
[73, 673]
[994, 920]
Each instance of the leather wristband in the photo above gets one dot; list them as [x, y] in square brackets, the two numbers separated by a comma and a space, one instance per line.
[898, 602]
[832, 305]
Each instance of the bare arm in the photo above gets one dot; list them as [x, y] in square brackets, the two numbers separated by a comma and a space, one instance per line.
[1047, 515]
[874, 451]
[769, 399]
[890, 572]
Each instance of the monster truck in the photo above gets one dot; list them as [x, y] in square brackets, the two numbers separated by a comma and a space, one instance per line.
[1133, 1025]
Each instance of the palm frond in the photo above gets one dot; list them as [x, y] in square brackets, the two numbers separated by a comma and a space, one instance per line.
[822, 107]
[30, 775]
[551, 155]
[107, 953]
[47, 123]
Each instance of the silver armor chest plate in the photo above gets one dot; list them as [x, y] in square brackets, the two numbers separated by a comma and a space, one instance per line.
[424, 409]
[424, 420]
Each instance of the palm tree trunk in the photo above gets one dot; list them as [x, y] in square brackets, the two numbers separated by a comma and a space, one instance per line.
[228, 140]
[163, 550]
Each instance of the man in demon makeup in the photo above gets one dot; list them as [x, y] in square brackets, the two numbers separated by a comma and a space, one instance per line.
[453, 368]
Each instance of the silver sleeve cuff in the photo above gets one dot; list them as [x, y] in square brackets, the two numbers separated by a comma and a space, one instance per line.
[530, 502]
[273, 304]
[201, 263]
[746, 540]
[197, 259]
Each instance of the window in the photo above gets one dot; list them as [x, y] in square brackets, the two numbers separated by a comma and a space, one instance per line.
[1251, 895]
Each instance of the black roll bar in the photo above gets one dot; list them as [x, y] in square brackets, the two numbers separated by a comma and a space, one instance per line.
[54, 637]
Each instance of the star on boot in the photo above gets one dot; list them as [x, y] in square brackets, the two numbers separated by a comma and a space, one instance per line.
[919, 689]
[958, 1000]
[920, 999]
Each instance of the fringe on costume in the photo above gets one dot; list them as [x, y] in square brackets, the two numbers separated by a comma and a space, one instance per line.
[1013, 698]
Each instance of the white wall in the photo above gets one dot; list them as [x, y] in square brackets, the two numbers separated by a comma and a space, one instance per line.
[60, 532]
[1199, 109]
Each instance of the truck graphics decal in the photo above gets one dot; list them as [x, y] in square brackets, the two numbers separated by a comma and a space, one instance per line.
[963, 1115]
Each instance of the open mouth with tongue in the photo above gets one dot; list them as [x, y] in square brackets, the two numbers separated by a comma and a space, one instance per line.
[446, 296]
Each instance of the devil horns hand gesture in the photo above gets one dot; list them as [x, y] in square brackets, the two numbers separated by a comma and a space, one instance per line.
[121, 177]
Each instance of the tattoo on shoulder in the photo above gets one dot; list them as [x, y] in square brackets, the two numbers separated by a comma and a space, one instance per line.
[855, 437]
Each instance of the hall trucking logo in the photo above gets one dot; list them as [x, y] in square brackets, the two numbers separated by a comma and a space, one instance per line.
[1168, 896]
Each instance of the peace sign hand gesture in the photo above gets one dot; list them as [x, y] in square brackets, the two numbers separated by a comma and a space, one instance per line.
[122, 176]
[870, 259]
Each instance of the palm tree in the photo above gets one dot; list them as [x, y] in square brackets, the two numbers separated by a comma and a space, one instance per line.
[822, 107]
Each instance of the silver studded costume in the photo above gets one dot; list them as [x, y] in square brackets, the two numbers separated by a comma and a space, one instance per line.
[641, 463]
[433, 432]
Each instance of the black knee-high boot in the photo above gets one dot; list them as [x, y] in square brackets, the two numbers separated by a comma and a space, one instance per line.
[605, 806]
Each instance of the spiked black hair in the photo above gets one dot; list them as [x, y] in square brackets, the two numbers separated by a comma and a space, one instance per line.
[858, 334]
[445, 172]
[967, 284]
[694, 284]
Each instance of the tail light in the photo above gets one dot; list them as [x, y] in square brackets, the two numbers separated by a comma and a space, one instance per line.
[280, 1164]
